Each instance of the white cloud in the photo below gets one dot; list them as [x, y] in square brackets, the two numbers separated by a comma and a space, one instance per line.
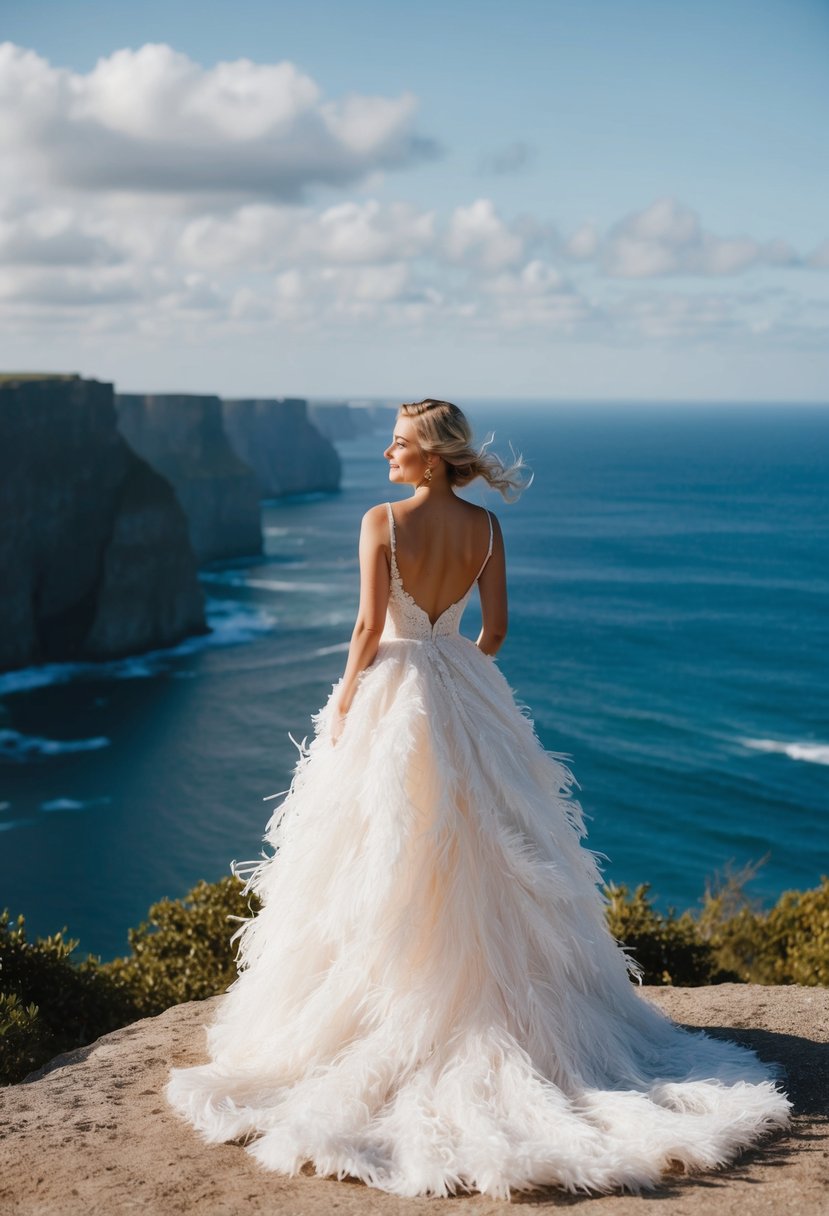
[152, 196]
[667, 238]
[583, 243]
[54, 236]
[265, 236]
[535, 279]
[478, 237]
[153, 120]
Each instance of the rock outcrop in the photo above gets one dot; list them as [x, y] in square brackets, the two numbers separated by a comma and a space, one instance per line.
[338, 420]
[182, 436]
[94, 546]
[343, 420]
[91, 1132]
[276, 438]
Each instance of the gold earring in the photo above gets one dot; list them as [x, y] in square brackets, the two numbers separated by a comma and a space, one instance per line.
[428, 474]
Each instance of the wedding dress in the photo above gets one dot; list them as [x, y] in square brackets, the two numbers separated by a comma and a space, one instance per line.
[430, 999]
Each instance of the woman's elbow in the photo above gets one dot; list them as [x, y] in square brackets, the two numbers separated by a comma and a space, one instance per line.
[367, 629]
[496, 628]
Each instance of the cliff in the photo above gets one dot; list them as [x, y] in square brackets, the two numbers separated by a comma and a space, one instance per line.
[340, 420]
[182, 436]
[337, 420]
[94, 547]
[277, 439]
[91, 1131]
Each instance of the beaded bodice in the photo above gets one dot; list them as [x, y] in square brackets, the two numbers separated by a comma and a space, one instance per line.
[405, 618]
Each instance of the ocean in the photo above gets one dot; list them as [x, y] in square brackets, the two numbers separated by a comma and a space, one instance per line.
[669, 632]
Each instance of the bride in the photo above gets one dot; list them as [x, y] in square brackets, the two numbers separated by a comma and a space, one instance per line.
[430, 999]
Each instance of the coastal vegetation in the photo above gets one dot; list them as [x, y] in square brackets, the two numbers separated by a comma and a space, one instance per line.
[51, 1003]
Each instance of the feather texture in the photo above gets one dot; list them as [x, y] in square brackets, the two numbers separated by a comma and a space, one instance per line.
[430, 999]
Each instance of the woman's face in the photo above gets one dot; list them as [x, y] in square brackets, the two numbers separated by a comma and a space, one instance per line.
[407, 464]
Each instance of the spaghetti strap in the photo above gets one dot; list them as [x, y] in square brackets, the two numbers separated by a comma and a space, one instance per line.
[391, 528]
[489, 550]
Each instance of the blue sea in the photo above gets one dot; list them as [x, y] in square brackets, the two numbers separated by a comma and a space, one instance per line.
[669, 590]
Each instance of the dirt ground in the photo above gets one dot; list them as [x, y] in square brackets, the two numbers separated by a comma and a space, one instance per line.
[90, 1134]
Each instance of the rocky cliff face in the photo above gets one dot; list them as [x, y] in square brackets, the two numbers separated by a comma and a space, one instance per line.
[182, 436]
[340, 420]
[337, 420]
[276, 438]
[94, 549]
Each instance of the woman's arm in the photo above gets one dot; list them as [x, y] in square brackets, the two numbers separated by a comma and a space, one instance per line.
[375, 582]
[492, 588]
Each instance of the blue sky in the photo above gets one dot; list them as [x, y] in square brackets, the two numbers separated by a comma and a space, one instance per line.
[575, 200]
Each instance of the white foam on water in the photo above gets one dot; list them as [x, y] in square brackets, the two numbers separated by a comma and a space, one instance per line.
[231, 624]
[813, 753]
[39, 677]
[265, 584]
[73, 804]
[20, 748]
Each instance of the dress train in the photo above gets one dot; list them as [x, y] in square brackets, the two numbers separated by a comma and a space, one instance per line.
[430, 999]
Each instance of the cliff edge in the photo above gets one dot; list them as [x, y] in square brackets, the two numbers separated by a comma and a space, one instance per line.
[91, 1132]
[94, 549]
[275, 437]
[182, 436]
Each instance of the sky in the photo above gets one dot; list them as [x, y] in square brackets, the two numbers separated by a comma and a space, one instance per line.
[552, 199]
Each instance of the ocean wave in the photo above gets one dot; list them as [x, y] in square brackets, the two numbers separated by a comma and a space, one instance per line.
[225, 579]
[22, 748]
[323, 650]
[231, 624]
[73, 804]
[814, 753]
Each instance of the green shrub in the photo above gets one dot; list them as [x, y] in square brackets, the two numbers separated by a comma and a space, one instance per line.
[50, 1004]
[669, 948]
[788, 944]
[25, 1042]
[182, 952]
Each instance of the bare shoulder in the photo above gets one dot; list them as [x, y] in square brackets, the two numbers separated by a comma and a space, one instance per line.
[376, 515]
[490, 517]
[375, 524]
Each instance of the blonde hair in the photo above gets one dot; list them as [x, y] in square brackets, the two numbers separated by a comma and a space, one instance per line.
[443, 428]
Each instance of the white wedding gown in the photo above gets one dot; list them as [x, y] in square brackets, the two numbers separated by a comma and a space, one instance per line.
[430, 999]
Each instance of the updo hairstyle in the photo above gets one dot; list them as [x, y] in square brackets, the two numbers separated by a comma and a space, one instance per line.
[443, 429]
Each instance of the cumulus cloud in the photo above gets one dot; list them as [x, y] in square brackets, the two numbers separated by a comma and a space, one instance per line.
[265, 236]
[153, 120]
[667, 238]
[534, 279]
[152, 196]
[53, 236]
[583, 243]
[478, 237]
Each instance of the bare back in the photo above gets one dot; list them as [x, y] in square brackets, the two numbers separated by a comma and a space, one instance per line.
[441, 548]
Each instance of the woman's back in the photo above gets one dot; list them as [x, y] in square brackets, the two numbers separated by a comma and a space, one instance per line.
[441, 548]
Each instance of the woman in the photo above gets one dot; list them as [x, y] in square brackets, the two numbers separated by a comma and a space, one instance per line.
[430, 999]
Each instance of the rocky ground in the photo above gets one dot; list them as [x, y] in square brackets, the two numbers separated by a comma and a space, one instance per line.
[91, 1133]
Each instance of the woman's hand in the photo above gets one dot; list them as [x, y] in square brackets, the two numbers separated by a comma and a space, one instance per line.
[338, 717]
